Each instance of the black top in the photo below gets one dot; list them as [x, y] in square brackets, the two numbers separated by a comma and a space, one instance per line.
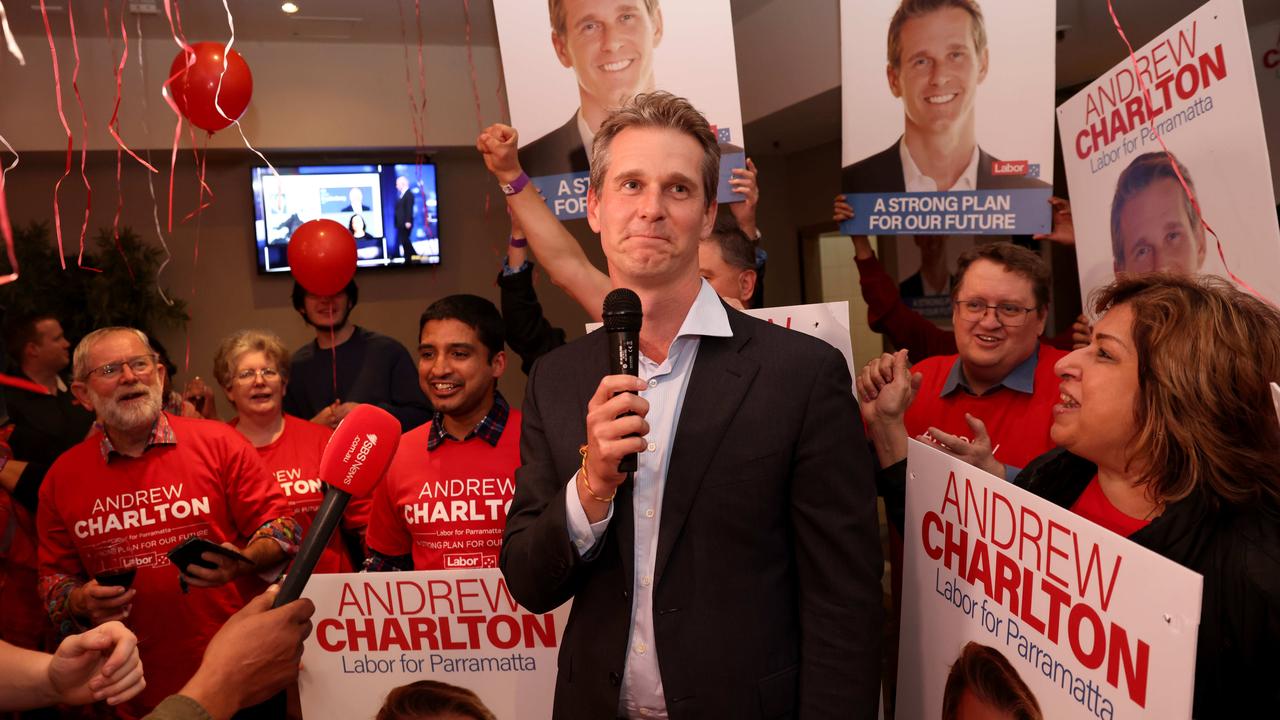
[372, 368]
[45, 426]
[528, 332]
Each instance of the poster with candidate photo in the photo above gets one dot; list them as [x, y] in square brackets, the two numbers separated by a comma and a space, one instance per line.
[947, 117]
[1265, 40]
[1055, 616]
[561, 83]
[423, 635]
[1131, 210]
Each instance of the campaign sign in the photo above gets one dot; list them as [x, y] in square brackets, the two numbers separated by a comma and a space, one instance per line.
[1065, 616]
[827, 321]
[375, 632]
[565, 74]
[1193, 86]
[946, 117]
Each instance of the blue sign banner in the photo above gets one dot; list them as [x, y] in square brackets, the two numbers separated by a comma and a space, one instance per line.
[961, 212]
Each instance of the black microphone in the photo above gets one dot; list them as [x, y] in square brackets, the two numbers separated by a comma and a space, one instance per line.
[355, 458]
[622, 318]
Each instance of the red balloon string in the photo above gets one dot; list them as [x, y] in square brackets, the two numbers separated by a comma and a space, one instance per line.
[84, 140]
[57, 89]
[333, 349]
[113, 125]
[5, 229]
[1186, 187]
[200, 157]
[417, 104]
[471, 62]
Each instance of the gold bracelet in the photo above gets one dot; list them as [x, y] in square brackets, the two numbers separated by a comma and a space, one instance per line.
[586, 480]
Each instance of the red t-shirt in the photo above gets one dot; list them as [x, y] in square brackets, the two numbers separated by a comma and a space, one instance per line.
[446, 506]
[294, 461]
[96, 515]
[1018, 423]
[1093, 505]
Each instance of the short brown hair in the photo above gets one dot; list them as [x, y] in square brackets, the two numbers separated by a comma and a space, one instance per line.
[235, 345]
[1207, 353]
[1015, 259]
[915, 8]
[665, 111]
[1146, 169]
[984, 672]
[737, 250]
[20, 331]
[430, 698]
[559, 23]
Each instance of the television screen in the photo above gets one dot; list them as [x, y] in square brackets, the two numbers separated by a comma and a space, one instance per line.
[389, 208]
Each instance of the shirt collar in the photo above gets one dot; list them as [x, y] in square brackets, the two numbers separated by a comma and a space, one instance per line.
[489, 429]
[1022, 379]
[917, 181]
[707, 316]
[161, 434]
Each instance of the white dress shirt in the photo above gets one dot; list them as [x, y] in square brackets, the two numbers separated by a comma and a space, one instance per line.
[917, 181]
[642, 694]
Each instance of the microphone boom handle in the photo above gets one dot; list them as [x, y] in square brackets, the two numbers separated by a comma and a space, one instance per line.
[328, 518]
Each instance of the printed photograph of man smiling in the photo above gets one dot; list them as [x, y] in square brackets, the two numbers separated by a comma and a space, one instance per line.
[937, 58]
[569, 63]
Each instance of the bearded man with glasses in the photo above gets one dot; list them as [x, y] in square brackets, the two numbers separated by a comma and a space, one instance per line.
[113, 505]
[992, 403]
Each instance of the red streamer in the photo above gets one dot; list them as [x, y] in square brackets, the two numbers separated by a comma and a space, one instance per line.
[471, 61]
[113, 125]
[1195, 203]
[6, 230]
[84, 140]
[57, 89]
[170, 9]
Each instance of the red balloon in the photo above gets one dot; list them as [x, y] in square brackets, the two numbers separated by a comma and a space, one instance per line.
[193, 88]
[322, 256]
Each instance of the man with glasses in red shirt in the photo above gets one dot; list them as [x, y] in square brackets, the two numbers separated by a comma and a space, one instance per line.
[136, 488]
[991, 403]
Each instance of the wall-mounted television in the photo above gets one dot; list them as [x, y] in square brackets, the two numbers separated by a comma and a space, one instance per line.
[391, 210]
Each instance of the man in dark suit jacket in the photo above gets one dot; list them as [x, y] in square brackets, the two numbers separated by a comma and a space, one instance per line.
[402, 241]
[736, 573]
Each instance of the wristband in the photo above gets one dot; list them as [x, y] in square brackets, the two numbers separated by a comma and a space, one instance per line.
[513, 241]
[516, 185]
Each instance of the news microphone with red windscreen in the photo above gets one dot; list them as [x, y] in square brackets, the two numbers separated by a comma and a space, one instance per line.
[622, 318]
[357, 455]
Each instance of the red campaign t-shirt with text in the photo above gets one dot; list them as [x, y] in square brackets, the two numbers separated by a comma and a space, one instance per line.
[1018, 423]
[96, 516]
[447, 506]
[1094, 505]
[293, 460]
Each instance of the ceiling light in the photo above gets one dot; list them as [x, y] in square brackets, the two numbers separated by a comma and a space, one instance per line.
[289, 8]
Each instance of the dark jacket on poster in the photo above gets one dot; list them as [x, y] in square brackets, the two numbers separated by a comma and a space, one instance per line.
[882, 173]
[766, 595]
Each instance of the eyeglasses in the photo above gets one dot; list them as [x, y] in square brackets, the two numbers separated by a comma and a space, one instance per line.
[1009, 314]
[246, 377]
[140, 365]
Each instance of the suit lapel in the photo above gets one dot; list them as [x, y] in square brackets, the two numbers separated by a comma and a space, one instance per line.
[721, 377]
